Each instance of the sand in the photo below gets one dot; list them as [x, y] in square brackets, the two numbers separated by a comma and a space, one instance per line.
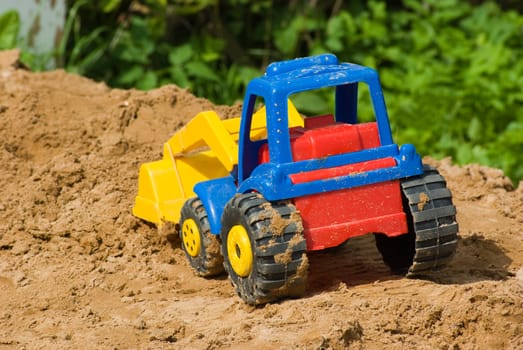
[78, 271]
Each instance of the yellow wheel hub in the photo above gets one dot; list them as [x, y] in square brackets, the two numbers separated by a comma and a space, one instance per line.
[239, 250]
[191, 237]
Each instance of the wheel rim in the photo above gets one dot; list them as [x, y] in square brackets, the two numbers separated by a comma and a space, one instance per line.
[191, 237]
[239, 250]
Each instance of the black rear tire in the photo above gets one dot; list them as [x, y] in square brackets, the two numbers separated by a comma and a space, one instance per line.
[264, 249]
[433, 231]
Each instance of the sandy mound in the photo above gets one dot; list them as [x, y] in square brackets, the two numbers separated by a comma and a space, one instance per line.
[77, 270]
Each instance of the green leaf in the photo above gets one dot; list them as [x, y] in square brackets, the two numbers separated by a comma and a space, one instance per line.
[212, 49]
[84, 47]
[160, 3]
[179, 76]
[286, 39]
[180, 54]
[69, 26]
[310, 103]
[131, 75]
[110, 5]
[148, 81]
[9, 28]
[86, 62]
[201, 70]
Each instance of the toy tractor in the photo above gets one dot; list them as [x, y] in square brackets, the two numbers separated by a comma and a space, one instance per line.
[253, 195]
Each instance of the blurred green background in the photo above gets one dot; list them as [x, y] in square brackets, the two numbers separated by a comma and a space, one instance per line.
[452, 71]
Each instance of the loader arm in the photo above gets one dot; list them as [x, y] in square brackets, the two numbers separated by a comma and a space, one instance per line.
[206, 130]
[206, 148]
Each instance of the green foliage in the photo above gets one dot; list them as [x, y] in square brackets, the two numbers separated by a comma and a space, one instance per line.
[452, 74]
[150, 43]
[452, 70]
[9, 27]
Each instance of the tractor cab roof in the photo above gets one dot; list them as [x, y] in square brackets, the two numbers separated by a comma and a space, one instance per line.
[288, 77]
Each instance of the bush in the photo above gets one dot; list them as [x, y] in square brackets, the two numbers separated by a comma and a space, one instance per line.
[453, 75]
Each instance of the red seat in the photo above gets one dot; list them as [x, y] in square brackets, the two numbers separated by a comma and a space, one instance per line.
[324, 141]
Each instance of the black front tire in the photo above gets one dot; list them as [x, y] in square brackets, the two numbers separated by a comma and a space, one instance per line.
[276, 265]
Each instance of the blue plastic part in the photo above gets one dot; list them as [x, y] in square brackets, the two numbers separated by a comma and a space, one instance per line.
[278, 68]
[214, 195]
[272, 179]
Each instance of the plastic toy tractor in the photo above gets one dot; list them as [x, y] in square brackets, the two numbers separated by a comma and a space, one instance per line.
[253, 195]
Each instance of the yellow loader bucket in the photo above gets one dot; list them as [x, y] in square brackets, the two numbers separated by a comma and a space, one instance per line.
[206, 148]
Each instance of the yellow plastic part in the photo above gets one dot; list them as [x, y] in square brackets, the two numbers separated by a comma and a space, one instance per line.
[239, 251]
[206, 148]
[191, 238]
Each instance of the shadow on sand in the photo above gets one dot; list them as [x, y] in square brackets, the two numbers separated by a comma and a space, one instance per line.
[358, 262]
